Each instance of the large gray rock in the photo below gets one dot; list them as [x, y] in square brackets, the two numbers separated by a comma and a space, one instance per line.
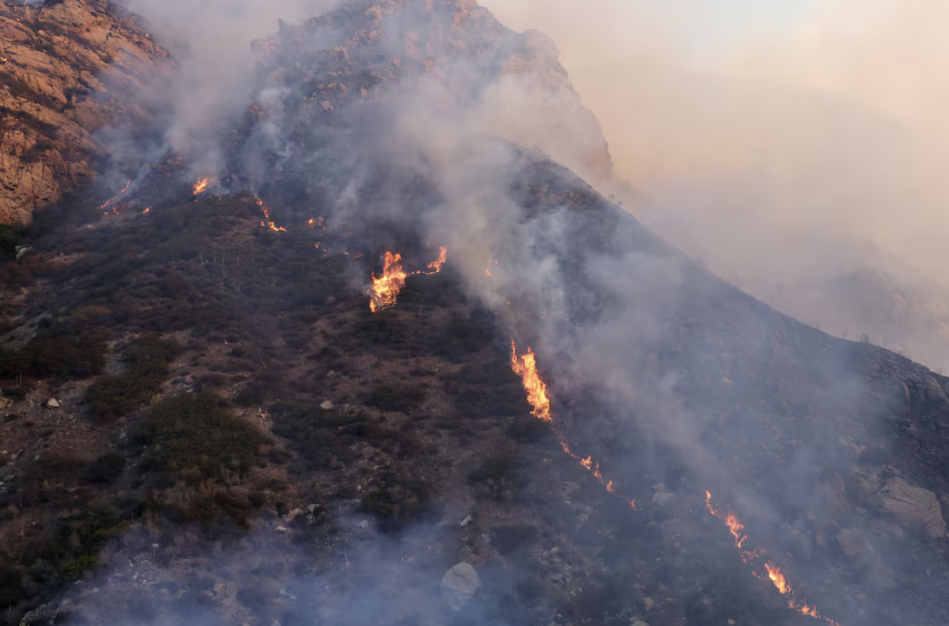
[912, 506]
[459, 585]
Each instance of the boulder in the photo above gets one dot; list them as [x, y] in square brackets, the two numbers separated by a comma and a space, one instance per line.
[459, 585]
[912, 506]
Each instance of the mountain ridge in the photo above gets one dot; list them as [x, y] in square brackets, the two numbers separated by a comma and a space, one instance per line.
[205, 420]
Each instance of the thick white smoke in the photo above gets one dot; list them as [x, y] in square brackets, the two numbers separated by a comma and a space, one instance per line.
[211, 41]
[804, 163]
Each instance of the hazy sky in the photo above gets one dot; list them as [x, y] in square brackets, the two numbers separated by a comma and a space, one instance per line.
[788, 143]
[706, 27]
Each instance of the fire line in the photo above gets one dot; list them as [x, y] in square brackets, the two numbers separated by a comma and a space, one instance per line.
[525, 366]
[111, 200]
[755, 558]
[385, 289]
[202, 185]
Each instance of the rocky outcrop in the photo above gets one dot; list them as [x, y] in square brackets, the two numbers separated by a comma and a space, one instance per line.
[461, 57]
[912, 506]
[459, 585]
[66, 69]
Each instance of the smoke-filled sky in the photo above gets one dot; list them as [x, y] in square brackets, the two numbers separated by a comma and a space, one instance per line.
[795, 146]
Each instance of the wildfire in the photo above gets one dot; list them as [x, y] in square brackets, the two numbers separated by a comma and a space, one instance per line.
[147, 210]
[526, 367]
[774, 573]
[202, 185]
[111, 200]
[754, 558]
[385, 289]
[268, 223]
[436, 265]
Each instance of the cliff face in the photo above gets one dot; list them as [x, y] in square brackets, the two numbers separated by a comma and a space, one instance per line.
[66, 70]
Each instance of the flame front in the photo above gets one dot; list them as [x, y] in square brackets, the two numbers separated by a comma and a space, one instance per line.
[117, 196]
[436, 265]
[526, 368]
[201, 186]
[268, 223]
[385, 289]
[754, 558]
[774, 573]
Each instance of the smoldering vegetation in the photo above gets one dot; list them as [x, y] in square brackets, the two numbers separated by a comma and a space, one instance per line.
[372, 119]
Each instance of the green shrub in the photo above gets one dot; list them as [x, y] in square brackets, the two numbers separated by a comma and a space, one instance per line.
[10, 235]
[402, 399]
[463, 336]
[395, 500]
[147, 367]
[105, 469]
[319, 436]
[62, 348]
[196, 437]
[498, 478]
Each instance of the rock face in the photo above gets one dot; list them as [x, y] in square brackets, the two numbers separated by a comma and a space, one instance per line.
[66, 69]
[912, 506]
[459, 585]
[455, 52]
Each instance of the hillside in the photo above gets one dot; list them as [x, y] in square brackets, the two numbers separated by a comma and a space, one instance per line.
[204, 420]
[67, 69]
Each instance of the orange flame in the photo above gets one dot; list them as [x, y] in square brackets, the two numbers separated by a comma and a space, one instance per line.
[268, 223]
[386, 288]
[436, 265]
[774, 573]
[526, 368]
[754, 558]
[116, 197]
[147, 210]
[202, 185]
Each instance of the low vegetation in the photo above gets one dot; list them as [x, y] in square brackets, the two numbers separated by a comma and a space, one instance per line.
[146, 368]
[195, 437]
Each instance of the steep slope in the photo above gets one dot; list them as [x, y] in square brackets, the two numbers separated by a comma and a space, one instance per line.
[66, 70]
[234, 437]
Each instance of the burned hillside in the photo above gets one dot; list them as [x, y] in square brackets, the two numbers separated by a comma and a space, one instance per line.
[391, 364]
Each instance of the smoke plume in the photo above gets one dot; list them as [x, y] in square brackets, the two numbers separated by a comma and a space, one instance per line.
[801, 161]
